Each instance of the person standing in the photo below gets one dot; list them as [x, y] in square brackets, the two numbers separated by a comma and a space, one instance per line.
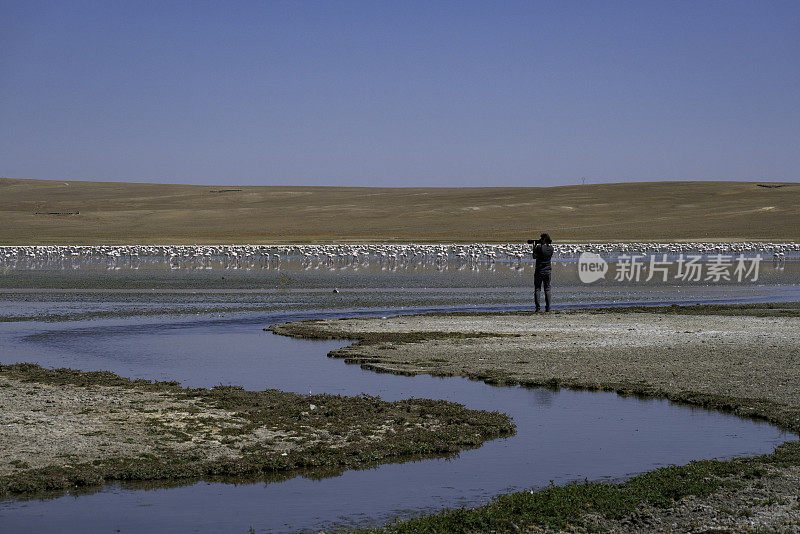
[542, 252]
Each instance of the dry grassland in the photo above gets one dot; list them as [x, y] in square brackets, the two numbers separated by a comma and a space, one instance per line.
[59, 212]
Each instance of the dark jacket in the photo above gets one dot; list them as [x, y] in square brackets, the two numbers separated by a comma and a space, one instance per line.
[543, 253]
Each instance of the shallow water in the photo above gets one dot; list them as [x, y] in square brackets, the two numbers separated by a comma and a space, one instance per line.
[83, 294]
[561, 435]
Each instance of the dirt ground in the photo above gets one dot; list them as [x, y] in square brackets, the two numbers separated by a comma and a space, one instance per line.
[741, 356]
[770, 503]
[45, 424]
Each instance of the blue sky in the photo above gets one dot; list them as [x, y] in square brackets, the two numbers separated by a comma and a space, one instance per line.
[381, 93]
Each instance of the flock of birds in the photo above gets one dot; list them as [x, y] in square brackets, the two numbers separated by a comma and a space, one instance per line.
[355, 256]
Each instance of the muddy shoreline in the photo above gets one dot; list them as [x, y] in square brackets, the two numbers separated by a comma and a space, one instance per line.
[743, 359]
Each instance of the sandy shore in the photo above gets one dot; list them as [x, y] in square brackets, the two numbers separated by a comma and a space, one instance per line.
[741, 359]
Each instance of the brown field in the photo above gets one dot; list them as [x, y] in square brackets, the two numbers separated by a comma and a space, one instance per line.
[59, 212]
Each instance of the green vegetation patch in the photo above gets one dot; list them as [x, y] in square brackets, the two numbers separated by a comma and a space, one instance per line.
[577, 504]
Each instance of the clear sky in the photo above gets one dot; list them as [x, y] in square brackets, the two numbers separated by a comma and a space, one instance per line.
[400, 93]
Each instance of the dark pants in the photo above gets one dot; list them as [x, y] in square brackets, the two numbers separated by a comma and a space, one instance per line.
[539, 279]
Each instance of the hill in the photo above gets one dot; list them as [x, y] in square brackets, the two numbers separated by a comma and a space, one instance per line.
[74, 212]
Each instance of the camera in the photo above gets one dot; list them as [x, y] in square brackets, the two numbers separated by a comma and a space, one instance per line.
[534, 241]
